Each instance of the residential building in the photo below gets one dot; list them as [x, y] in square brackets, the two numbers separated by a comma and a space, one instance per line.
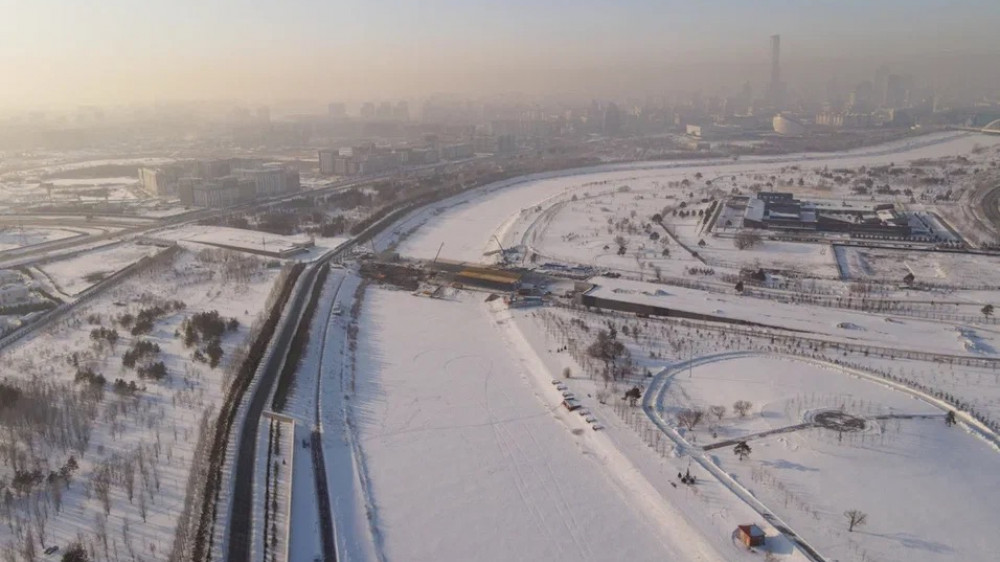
[456, 151]
[327, 160]
[160, 181]
[218, 192]
[267, 181]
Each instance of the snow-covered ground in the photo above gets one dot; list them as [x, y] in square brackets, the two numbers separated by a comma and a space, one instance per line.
[939, 268]
[565, 216]
[69, 190]
[469, 459]
[467, 223]
[828, 324]
[250, 240]
[77, 273]
[146, 436]
[12, 237]
[812, 476]
[322, 380]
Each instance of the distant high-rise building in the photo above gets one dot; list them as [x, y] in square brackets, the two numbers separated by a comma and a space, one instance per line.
[336, 110]
[402, 111]
[368, 110]
[264, 115]
[160, 181]
[219, 192]
[268, 181]
[881, 83]
[895, 91]
[774, 87]
[862, 99]
[384, 110]
[327, 161]
[612, 122]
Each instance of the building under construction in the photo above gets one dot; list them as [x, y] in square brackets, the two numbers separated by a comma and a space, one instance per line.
[489, 278]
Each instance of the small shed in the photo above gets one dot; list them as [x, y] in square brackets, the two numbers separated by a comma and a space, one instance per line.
[750, 535]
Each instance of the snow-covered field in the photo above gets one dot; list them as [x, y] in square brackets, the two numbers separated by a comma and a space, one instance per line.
[134, 446]
[940, 268]
[807, 478]
[69, 190]
[812, 476]
[469, 460]
[468, 223]
[250, 240]
[11, 237]
[812, 321]
[77, 273]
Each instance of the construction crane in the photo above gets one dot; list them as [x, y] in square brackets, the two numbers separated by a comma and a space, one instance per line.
[503, 255]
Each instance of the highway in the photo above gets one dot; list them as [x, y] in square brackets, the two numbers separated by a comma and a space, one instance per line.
[241, 505]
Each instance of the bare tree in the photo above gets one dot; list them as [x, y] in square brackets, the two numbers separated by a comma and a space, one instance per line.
[633, 395]
[28, 551]
[75, 553]
[55, 491]
[101, 531]
[717, 411]
[41, 520]
[690, 417]
[101, 483]
[612, 353]
[127, 538]
[741, 407]
[9, 551]
[855, 518]
[128, 478]
[746, 239]
[949, 418]
[742, 450]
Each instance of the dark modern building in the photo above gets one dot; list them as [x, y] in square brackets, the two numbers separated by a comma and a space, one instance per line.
[783, 212]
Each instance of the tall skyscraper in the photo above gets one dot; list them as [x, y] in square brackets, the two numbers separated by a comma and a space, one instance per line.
[774, 88]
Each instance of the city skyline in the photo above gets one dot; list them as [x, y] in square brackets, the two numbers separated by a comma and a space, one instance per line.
[62, 55]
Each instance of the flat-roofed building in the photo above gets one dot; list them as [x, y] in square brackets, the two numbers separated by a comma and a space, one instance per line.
[219, 192]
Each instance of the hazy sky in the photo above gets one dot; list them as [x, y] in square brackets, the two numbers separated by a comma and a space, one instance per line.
[113, 51]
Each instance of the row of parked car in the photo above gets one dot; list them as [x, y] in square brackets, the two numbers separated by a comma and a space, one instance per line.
[573, 405]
